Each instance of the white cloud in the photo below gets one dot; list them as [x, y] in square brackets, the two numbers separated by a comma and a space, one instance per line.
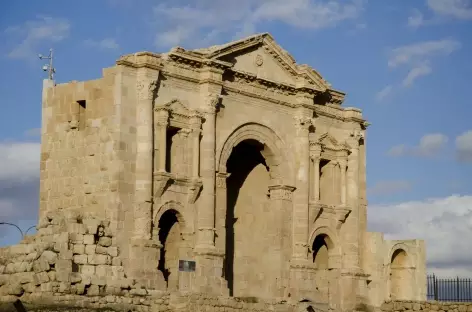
[397, 150]
[385, 92]
[389, 187]
[459, 9]
[464, 147]
[185, 24]
[416, 72]
[444, 223]
[417, 57]
[416, 19]
[32, 33]
[430, 145]
[104, 44]
[19, 187]
[19, 161]
[422, 50]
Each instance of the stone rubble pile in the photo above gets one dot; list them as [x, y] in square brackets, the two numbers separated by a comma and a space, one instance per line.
[70, 254]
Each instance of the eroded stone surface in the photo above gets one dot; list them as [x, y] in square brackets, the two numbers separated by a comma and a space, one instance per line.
[230, 171]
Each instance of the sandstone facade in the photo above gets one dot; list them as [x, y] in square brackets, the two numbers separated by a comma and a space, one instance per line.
[229, 171]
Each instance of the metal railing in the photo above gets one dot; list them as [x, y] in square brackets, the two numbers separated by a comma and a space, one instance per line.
[449, 289]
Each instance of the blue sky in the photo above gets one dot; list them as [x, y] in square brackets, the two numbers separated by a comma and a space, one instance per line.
[406, 64]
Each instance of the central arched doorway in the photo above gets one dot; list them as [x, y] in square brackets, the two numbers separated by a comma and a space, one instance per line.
[247, 213]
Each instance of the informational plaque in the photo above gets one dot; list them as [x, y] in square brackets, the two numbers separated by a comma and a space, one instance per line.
[186, 266]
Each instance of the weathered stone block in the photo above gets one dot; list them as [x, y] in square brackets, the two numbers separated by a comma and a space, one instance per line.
[23, 278]
[52, 276]
[93, 290]
[14, 289]
[75, 277]
[87, 270]
[99, 259]
[78, 249]
[112, 251]
[116, 262]
[80, 259]
[104, 241]
[101, 250]
[89, 239]
[76, 238]
[90, 249]
[41, 265]
[42, 277]
[64, 265]
[63, 276]
[100, 281]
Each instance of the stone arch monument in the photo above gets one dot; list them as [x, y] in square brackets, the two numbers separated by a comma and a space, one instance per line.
[228, 171]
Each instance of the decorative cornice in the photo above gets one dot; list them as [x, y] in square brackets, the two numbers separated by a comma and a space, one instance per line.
[141, 59]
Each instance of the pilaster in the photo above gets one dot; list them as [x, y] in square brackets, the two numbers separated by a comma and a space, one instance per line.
[146, 88]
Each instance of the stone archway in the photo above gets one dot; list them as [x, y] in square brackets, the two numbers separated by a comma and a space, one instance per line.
[326, 257]
[256, 230]
[399, 275]
[169, 230]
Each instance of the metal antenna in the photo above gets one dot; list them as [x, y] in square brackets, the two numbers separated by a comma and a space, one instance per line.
[49, 68]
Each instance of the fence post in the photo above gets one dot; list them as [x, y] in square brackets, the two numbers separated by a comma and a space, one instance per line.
[435, 288]
[458, 296]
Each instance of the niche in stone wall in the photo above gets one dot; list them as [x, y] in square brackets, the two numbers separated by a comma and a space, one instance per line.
[176, 151]
[321, 248]
[170, 239]
[329, 183]
[398, 275]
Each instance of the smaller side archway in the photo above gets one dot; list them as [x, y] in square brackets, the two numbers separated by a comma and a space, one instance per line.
[326, 261]
[169, 227]
[399, 274]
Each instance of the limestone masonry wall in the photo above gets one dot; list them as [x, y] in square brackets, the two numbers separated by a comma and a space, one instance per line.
[391, 306]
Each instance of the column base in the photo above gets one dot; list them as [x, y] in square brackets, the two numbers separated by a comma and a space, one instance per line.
[353, 290]
[209, 271]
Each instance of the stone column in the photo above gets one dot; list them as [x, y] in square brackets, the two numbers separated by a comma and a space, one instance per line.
[315, 155]
[206, 212]
[195, 141]
[162, 123]
[300, 211]
[342, 168]
[146, 88]
[280, 240]
[352, 277]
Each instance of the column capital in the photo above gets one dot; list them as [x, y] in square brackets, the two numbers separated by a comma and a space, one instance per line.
[281, 192]
[315, 150]
[212, 101]
[146, 88]
[221, 179]
[162, 114]
[342, 162]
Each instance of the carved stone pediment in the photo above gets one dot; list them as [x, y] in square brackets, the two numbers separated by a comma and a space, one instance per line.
[332, 146]
[179, 114]
[261, 56]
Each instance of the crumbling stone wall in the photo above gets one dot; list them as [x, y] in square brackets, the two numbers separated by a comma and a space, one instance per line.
[391, 306]
[70, 254]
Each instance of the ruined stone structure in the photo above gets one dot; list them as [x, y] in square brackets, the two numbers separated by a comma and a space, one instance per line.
[231, 171]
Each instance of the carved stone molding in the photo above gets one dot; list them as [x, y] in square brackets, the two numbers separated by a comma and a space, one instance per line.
[341, 215]
[194, 191]
[317, 209]
[281, 192]
[161, 179]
